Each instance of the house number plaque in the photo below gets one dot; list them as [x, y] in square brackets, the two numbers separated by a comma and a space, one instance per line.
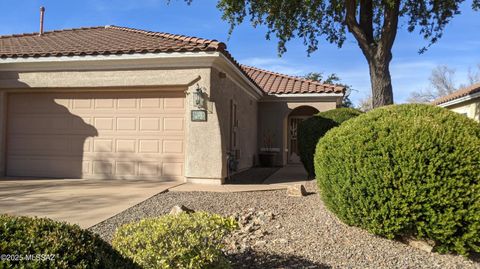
[199, 115]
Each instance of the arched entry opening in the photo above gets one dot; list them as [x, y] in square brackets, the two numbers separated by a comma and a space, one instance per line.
[296, 116]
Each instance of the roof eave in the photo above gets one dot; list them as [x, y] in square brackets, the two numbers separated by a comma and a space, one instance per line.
[459, 100]
[136, 60]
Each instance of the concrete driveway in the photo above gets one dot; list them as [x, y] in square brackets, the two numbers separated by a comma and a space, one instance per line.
[83, 202]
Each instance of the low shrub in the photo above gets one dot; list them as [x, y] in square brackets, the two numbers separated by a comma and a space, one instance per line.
[176, 241]
[405, 170]
[43, 243]
[313, 128]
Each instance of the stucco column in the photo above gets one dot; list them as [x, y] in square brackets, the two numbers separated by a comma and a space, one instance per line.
[204, 158]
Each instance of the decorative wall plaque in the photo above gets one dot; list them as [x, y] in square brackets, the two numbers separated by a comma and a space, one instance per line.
[199, 115]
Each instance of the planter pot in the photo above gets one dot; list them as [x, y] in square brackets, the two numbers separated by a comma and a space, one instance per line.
[267, 159]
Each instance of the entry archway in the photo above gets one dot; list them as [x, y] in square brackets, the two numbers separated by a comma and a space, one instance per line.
[296, 116]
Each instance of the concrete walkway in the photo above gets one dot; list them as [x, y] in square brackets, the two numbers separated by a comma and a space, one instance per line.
[83, 202]
[290, 174]
[88, 202]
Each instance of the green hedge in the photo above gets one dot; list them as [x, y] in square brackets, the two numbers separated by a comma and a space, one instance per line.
[44, 243]
[340, 115]
[313, 128]
[176, 241]
[405, 170]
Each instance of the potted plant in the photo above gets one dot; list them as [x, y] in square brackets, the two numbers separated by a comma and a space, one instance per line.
[268, 154]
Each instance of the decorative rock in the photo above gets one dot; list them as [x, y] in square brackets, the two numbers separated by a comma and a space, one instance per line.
[419, 244]
[180, 209]
[260, 243]
[297, 190]
[281, 241]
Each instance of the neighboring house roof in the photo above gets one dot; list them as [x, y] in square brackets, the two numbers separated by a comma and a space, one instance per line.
[276, 83]
[107, 40]
[458, 94]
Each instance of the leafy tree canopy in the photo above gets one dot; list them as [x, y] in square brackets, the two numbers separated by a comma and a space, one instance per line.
[308, 19]
[373, 24]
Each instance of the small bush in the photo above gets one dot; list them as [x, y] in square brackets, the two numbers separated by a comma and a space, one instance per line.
[313, 128]
[44, 243]
[176, 241]
[405, 170]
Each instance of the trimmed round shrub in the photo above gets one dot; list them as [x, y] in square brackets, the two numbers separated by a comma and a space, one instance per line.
[43, 243]
[313, 128]
[405, 170]
[176, 241]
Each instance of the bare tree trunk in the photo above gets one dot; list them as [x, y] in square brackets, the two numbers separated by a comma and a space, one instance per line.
[382, 92]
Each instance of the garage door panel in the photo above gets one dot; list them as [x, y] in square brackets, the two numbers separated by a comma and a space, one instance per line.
[45, 167]
[49, 124]
[45, 145]
[174, 104]
[172, 169]
[172, 147]
[103, 123]
[97, 135]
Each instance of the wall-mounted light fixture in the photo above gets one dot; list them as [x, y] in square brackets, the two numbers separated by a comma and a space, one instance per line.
[199, 97]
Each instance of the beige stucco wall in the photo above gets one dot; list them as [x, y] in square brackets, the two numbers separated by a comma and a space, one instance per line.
[3, 126]
[470, 108]
[204, 152]
[206, 142]
[224, 89]
[273, 117]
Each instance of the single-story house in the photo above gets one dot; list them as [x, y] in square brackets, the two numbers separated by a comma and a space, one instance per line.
[465, 101]
[120, 103]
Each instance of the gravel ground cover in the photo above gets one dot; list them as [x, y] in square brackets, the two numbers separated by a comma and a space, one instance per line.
[289, 232]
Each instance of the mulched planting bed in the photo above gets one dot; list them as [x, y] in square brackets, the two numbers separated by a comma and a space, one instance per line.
[289, 232]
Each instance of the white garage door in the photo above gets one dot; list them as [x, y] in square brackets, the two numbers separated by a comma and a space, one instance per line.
[108, 135]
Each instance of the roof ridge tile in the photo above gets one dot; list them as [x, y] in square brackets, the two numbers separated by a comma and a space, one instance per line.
[190, 39]
[50, 32]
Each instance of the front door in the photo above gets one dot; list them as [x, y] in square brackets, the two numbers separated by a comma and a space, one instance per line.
[293, 153]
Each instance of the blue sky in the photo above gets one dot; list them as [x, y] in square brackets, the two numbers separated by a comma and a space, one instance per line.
[459, 48]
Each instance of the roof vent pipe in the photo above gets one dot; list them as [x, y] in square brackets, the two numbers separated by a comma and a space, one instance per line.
[42, 14]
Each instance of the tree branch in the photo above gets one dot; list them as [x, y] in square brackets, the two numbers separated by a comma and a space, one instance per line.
[390, 26]
[366, 19]
[355, 29]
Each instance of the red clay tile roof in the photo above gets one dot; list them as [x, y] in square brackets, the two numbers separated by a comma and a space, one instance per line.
[101, 40]
[276, 83]
[457, 94]
[106, 40]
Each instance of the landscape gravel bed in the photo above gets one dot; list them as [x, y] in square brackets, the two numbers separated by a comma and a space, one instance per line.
[289, 232]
